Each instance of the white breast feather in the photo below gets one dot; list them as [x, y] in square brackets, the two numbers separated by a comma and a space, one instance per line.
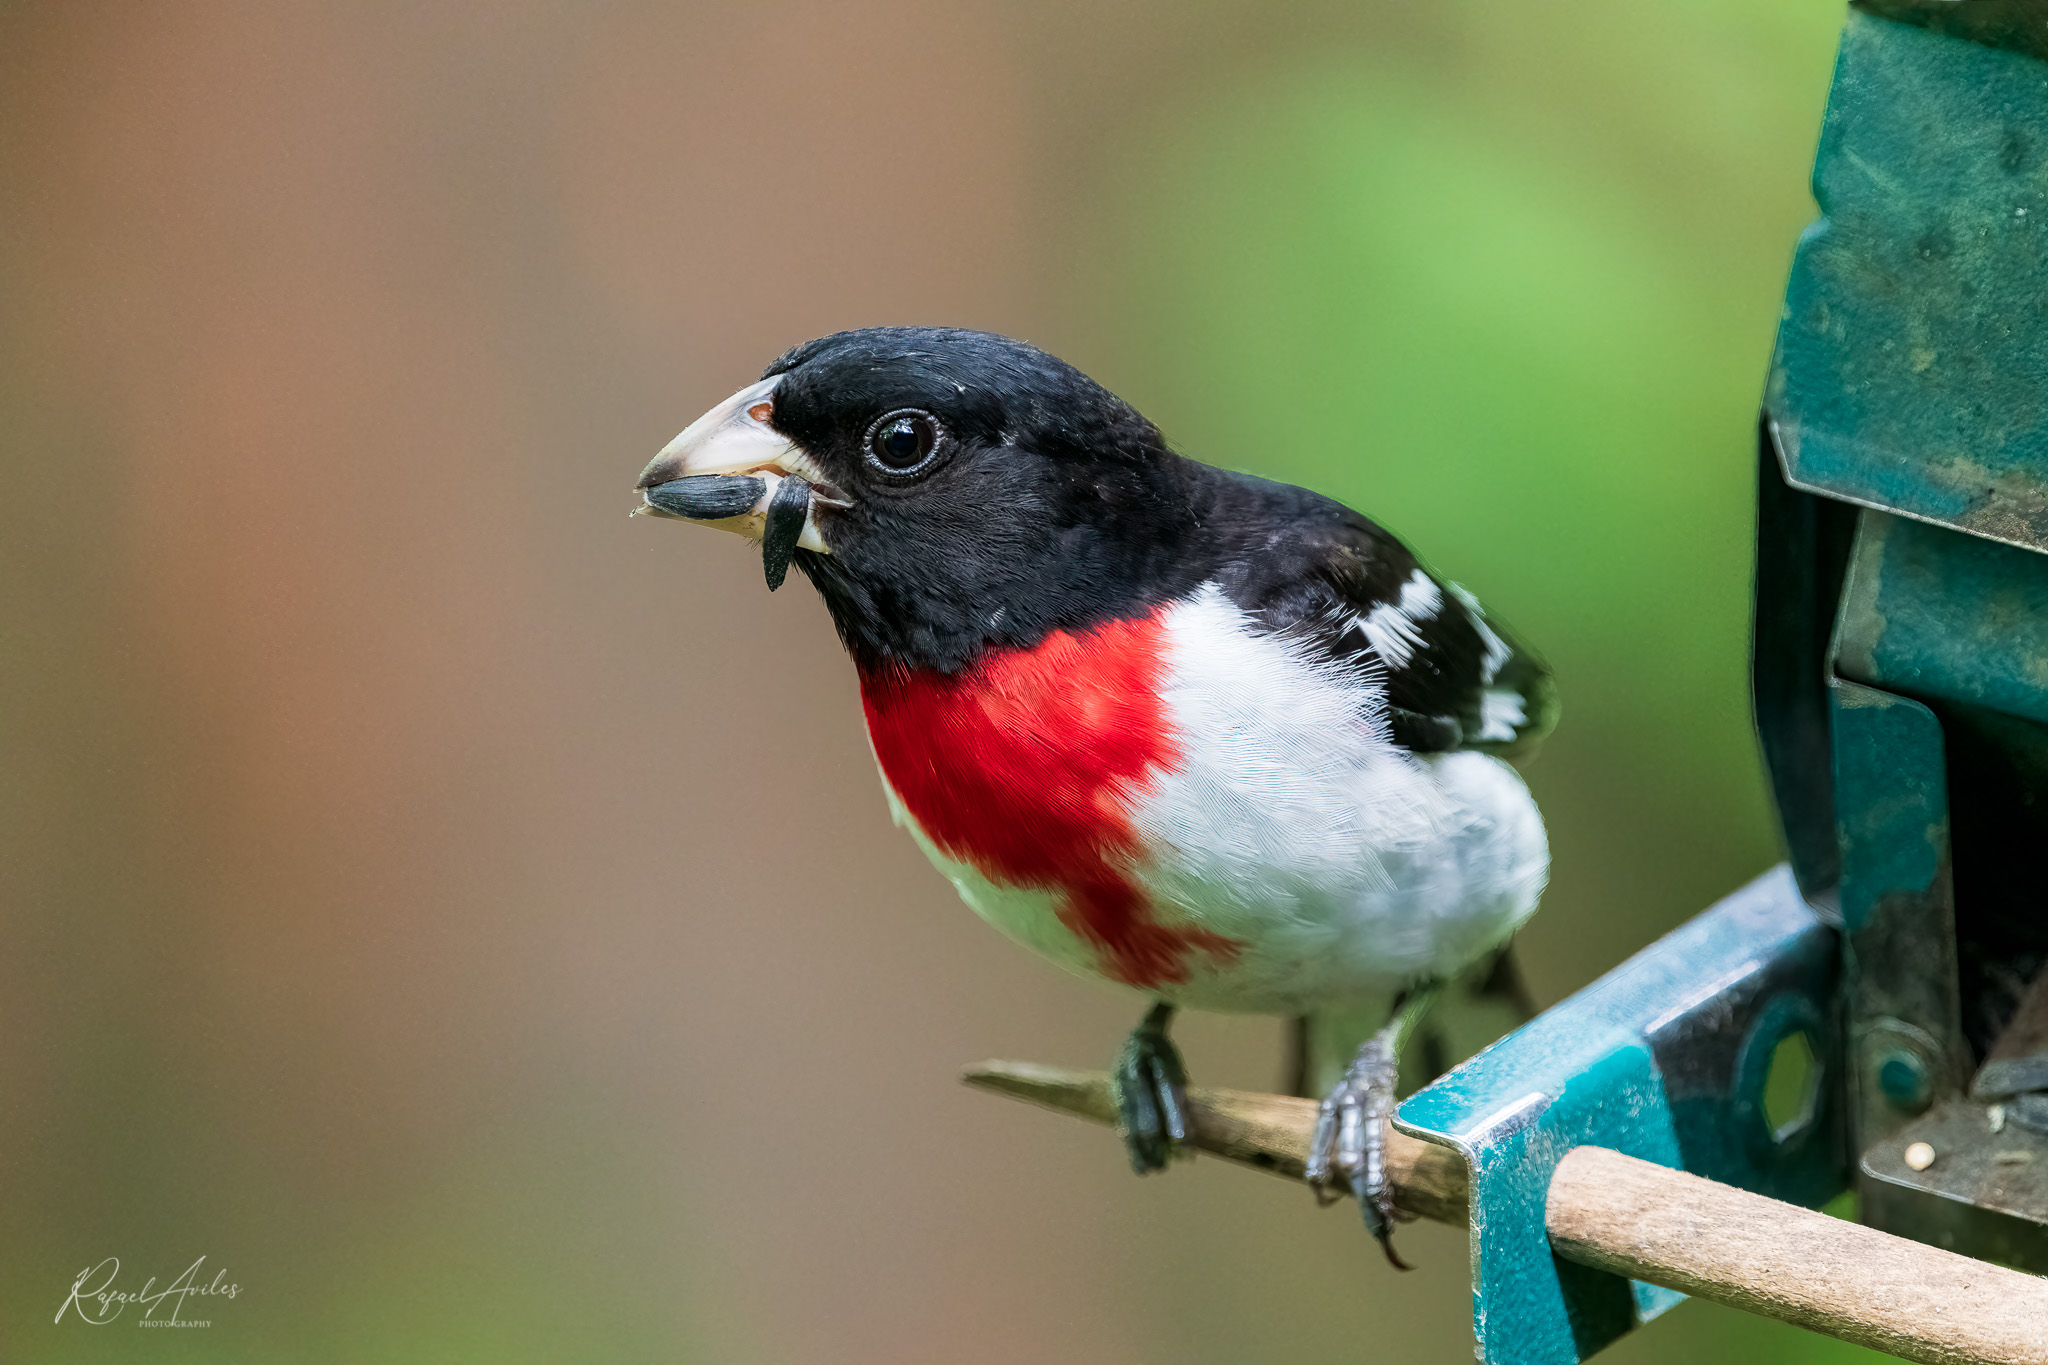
[1295, 824]
[1346, 866]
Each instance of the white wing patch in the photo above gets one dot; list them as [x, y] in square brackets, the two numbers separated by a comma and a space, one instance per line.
[1393, 628]
[1497, 651]
[1500, 713]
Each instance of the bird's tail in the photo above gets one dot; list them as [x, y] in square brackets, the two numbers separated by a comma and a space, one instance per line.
[1484, 1003]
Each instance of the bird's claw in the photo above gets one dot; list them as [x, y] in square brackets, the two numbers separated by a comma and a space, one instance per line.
[1350, 1139]
[1152, 1094]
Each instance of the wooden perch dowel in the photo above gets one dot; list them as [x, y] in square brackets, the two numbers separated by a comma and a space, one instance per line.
[1635, 1218]
[1269, 1132]
[1699, 1237]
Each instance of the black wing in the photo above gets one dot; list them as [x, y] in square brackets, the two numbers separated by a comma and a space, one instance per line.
[1325, 574]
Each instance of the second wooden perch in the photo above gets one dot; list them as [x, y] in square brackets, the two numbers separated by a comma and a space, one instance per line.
[1652, 1223]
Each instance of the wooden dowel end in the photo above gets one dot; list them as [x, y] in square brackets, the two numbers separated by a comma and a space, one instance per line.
[1636, 1218]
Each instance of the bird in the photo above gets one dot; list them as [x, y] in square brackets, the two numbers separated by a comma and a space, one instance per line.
[1219, 740]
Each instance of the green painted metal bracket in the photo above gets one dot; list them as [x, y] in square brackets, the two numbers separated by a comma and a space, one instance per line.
[1898, 908]
[2016, 24]
[1949, 617]
[1912, 370]
[1941, 757]
[1665, 1058]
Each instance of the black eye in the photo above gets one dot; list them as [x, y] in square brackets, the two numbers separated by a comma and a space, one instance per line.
[904, 440]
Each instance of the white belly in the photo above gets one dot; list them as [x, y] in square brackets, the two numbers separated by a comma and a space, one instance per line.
[1343, 866]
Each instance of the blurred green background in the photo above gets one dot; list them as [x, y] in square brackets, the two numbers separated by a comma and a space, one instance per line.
[471, 919]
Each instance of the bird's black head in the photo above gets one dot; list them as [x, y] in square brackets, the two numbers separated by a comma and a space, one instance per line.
[966, 490]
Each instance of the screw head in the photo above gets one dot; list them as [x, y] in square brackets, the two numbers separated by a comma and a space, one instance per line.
[1904, 1080]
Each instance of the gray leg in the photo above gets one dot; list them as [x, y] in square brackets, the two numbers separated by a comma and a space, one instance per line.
[1351, 1127]
[1152, 1093]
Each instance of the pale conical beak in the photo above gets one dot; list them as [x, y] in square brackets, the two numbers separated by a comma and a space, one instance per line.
[737, 463]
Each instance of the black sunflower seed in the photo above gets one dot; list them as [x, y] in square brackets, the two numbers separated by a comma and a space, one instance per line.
[786, 513]
[708, 497]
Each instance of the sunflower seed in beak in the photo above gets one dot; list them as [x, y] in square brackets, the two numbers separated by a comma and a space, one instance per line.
[708, 497]
[787, 511]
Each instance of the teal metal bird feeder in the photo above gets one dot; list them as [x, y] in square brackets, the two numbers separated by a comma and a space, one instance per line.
[1901, 688]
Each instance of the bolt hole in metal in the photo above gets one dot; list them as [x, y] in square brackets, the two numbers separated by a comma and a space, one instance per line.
[1780, 1080]
[1791, 1093]
[1904, 1082]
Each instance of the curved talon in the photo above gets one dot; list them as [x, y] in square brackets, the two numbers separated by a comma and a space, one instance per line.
[1350, 1137]
[1169, 1086]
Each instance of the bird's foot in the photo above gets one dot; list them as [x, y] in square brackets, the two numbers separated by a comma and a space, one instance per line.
[1350, 1139]
[1152, 1093]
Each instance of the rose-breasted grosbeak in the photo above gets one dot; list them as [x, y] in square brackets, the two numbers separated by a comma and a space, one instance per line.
[1219, 739]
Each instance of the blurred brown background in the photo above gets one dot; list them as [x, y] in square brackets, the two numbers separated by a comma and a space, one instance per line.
[471, 919]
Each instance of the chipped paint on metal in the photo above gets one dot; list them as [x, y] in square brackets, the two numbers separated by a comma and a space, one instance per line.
[1619, 1066]
[1935, 614]
[1912, 372]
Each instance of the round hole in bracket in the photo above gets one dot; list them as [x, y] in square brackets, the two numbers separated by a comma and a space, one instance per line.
[1791, 1089]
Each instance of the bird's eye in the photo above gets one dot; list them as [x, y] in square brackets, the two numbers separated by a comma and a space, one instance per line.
[902, 441]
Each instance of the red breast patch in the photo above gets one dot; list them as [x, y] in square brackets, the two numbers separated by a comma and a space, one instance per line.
[1023, 766]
